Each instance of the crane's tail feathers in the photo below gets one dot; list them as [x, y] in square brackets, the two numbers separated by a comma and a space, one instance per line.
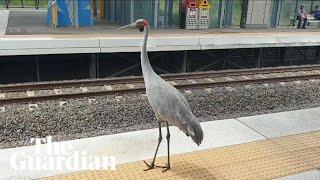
[194, 130]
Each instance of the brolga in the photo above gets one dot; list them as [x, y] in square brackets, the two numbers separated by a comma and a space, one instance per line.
[169, 105]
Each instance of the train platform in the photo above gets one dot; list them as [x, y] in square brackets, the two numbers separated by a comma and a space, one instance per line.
[130, 41]
[283, 145]
[26, 32]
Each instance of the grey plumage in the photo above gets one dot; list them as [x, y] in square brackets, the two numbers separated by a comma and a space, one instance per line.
[166, 101]
[168, 104]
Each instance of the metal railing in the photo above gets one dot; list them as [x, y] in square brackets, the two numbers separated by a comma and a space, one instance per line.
[25, 4]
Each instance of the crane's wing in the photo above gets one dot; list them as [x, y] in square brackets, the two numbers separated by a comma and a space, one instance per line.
[184, 100]
[170, 105]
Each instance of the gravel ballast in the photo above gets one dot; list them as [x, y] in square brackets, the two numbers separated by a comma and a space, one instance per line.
[103, 115]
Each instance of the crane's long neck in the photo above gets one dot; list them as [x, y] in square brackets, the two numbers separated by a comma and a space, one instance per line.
[145, 63]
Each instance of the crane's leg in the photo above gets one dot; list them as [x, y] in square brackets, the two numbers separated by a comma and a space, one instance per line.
[168, 145]
[152, 165]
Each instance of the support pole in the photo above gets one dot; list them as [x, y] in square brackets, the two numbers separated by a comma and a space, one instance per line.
[94, 8]
[76, 13]
[93, 66]
[223, 5]
[244, 13]
[229, 12]
[37, 67]
[225, 59]
[282, 56]
[131, 11]
[170, 8]
[102, 8]
[156, 11]
[305, 53]
[184, 66]
[278, 13]
[166, 13]
[318, 54]
[259, 57]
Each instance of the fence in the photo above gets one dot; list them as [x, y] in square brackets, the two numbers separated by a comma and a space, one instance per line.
[25, 4]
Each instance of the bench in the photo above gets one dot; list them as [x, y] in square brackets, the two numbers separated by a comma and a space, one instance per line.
[311, 20]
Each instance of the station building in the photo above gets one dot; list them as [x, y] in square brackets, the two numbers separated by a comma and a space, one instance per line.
[171, 13]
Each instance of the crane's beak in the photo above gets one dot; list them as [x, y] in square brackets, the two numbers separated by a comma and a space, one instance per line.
[132, 25]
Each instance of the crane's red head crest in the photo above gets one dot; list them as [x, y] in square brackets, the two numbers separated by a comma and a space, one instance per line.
[141, 23]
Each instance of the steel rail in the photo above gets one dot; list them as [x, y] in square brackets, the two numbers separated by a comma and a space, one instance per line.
[139, 79]
[142, 89]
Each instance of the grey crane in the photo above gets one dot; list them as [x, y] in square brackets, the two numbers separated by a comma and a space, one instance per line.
[169, 105]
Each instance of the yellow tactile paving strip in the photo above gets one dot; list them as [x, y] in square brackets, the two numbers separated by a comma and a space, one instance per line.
[264, 159]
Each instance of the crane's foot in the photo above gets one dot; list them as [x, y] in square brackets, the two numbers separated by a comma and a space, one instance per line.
[165, 168]
[152, 166]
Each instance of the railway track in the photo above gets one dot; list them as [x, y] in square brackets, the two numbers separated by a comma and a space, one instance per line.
[33, 92]
[139, 79]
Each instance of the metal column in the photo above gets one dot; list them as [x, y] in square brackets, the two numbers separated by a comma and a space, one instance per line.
[94, 8]
[282, 56]
[168, 13]
[76, 11]
[259, 57]
[37, 67]
[275, 16]
[132, 11]
[244, 13]
[102, 9]
[93, 66]
[318, 54]
[169, 21]
[222, 10]
[184, 66]
[229, 12]
[156, 11]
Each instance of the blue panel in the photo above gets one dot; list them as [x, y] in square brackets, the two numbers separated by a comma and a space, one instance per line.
[84, 14]
[64, 19]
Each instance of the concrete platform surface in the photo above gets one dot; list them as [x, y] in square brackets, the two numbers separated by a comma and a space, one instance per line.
[286, 123]
[135, 146]
[309, 175]
[24, 18]
[130, 41]
[230, 133]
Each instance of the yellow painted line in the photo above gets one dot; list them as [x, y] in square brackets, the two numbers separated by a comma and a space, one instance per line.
[265, 159]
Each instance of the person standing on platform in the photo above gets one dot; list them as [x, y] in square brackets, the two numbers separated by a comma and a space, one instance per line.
[302, 17]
